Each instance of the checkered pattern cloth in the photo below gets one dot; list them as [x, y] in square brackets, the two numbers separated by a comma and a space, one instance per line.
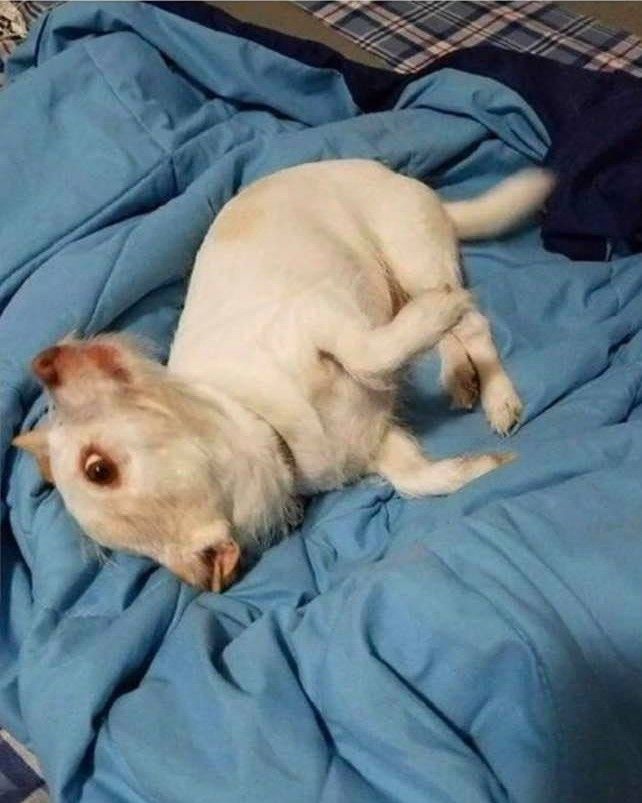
[410, 35]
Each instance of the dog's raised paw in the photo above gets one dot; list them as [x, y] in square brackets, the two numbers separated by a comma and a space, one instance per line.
[446, 303]
[461, 300]
[502, 406]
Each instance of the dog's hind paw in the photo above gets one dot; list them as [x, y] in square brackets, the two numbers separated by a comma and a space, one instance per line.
[462, 385]
[502, 405]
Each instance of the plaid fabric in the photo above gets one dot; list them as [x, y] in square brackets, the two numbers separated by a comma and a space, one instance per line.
[410, 35]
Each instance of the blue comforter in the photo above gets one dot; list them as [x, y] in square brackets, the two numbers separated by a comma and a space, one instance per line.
[481, 647]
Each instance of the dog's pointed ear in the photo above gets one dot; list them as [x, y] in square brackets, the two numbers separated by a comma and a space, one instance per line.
[37, 442]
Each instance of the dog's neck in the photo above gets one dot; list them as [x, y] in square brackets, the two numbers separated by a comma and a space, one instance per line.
[251, 463]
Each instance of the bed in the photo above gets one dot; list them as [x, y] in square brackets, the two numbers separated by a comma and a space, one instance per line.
[411, 35]
[483, 647]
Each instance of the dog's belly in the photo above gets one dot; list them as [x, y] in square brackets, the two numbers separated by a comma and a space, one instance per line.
[277, 270]
[354, 417]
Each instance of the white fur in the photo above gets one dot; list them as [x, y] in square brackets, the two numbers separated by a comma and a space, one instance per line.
[501, 208]
[312, 289]
[302, 263]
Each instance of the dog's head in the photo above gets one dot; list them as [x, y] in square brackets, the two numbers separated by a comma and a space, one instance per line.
[124, 445]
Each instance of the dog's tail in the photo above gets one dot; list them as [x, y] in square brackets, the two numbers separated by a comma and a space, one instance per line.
[503, 207]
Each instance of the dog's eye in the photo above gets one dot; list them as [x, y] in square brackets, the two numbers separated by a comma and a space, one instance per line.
[100, 470]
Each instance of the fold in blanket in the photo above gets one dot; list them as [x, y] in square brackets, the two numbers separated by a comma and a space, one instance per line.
[594, 121]
[480, 647]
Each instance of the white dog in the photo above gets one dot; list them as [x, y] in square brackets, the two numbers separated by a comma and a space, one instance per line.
[313, 287]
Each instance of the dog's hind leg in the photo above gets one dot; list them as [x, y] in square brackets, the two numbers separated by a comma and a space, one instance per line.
[372, 353]
[423, 253]
[412, 473]
[499, 398]
[458, 375]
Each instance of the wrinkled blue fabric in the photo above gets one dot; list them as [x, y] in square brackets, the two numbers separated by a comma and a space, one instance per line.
[593, 118]
[481, 647]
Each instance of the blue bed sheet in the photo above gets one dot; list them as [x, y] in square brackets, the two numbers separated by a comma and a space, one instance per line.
[481, 647]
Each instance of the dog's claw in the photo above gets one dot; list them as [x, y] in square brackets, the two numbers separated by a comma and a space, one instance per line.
[503, 408]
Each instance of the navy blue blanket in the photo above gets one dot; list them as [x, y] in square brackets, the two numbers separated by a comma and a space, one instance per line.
[481, 647]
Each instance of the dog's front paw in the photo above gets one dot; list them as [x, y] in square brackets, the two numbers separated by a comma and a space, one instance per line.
[502, 405]
[459, 301]
[447, 306]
